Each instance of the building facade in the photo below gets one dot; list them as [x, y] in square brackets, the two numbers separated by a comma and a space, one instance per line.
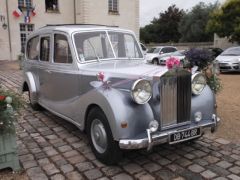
[18, 18]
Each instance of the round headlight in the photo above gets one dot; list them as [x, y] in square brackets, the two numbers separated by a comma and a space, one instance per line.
[198, 83]
[141, 91]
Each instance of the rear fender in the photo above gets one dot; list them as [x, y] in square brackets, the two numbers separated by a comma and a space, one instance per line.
[32, 88]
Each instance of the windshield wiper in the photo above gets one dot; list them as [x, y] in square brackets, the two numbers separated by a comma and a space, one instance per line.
[94, 51]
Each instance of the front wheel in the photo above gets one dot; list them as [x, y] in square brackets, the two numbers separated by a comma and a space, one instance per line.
[155, 61]
[101, 140]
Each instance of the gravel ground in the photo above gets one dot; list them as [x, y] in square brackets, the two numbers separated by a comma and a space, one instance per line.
[228, 101]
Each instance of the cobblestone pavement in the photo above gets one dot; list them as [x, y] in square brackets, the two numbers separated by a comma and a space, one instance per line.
[51, 148]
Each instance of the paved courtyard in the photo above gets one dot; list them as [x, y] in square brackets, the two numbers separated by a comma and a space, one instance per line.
[51, 148]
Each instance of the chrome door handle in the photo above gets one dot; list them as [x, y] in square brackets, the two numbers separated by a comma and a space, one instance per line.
[48, 71]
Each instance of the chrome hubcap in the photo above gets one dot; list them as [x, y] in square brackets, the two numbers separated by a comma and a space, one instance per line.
[99, 136]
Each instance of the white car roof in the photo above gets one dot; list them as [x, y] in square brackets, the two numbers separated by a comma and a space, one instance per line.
[70, 28]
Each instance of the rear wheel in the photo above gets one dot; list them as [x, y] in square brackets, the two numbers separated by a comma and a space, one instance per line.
[101, 140]
[35, 106]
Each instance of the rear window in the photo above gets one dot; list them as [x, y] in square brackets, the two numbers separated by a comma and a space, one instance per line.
[33, 48]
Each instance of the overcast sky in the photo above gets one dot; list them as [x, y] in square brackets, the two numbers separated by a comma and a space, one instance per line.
[151, 8]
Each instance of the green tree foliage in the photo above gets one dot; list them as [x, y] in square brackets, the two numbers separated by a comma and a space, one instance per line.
[225, 21]
[192, 27]
[164, 28]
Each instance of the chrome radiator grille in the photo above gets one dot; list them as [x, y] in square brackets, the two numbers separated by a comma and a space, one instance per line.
[175, 98]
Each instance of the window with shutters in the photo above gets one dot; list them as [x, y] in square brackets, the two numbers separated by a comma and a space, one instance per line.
[25, 30]
[113, 6]
[24, 3]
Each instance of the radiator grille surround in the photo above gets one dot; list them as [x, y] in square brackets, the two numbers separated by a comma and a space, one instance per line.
[175, 98]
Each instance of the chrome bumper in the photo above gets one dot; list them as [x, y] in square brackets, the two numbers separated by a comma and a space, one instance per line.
[156, 138]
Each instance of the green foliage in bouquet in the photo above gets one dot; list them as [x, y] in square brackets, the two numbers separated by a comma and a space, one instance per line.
[9, 103]
[214, 83]
[204, 60]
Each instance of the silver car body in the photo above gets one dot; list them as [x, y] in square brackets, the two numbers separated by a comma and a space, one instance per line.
[229, 60]
[71, 90]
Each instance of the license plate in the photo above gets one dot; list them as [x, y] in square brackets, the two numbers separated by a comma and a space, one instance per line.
[184, 135]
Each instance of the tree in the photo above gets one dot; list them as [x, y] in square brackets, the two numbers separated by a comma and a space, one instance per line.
[225, 21]
[193, 24]
[164, 28]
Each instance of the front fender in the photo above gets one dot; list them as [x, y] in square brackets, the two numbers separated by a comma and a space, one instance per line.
[205, 103]
[119, 108]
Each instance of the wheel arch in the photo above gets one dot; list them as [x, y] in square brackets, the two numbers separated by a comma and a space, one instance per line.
[89, 108]
[30, 86]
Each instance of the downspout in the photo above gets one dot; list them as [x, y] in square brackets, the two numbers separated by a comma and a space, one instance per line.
[75, 18]
[9, 34]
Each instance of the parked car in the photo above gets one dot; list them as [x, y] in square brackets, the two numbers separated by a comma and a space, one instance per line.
[144, 48]
[95, 77]
[229, 60]
[153, 53]
[177, 54]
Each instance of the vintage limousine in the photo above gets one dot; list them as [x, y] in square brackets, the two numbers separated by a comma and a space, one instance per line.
[95, 77]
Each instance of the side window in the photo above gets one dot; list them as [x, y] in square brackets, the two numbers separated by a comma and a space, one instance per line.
[62, 53]
[33, 48]
[172, 49]
[45, 48]
[164, 50]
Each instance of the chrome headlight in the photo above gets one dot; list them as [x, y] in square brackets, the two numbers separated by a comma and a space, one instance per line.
[141, 91]
[198, 83]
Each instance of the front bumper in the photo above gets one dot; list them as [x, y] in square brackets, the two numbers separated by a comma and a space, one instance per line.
[229, 67]
[152, 139]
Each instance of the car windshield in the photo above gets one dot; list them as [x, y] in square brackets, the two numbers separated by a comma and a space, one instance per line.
[177, 53]
[235, 51]
[153, 50]
[106, 45]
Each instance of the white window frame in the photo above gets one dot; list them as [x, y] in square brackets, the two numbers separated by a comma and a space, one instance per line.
[113, 6]
[25, 30]
[24, 3]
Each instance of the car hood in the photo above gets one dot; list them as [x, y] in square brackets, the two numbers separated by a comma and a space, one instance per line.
[124, 69]
[226, 59]
[179, 57]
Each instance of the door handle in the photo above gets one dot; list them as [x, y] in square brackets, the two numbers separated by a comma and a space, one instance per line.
[48, 71]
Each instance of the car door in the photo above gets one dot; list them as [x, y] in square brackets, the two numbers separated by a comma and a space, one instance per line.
[63, 84]
[43, 68]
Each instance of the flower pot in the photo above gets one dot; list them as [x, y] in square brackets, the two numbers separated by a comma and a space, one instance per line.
[8, 151]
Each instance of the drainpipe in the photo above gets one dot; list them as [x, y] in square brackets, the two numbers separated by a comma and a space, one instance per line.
[75, 18]
[9, 34]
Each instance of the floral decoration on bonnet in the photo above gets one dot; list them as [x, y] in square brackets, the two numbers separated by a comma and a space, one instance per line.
[172, 62]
